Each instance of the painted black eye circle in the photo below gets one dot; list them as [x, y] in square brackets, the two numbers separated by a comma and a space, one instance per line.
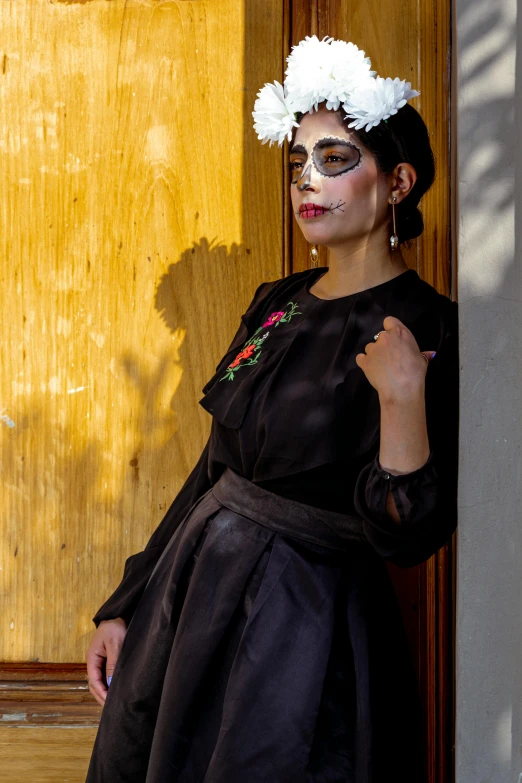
[334, 161]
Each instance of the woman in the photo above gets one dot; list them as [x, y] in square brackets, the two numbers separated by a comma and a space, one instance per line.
[258, 637]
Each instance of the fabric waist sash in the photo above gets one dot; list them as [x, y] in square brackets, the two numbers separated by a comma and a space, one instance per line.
[287, 516]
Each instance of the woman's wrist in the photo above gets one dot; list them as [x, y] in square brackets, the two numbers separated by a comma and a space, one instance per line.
[414, 394]
[404, 444]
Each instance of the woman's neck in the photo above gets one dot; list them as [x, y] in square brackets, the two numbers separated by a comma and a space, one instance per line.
[353, 271]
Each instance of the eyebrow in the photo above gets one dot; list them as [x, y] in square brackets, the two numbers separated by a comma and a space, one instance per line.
[322, 143]
[298, 148]
[328, 142]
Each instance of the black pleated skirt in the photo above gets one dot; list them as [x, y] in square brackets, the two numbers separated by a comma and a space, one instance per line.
[268, 646]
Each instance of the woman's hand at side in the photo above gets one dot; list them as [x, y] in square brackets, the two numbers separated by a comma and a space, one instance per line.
[104, 648]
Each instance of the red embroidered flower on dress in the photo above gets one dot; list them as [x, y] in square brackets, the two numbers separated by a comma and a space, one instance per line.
[245, 354]
[250, 352]
[273, 318]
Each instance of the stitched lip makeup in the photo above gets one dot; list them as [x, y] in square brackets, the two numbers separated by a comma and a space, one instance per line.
[311, 210]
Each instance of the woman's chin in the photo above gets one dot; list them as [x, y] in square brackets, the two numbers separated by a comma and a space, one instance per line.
[322, 236]
[318, 237]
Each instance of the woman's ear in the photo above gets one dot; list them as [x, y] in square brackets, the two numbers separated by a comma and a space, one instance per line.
[404, 178]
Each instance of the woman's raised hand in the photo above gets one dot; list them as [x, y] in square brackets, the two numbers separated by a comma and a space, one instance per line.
[104, 649]
[393, 363]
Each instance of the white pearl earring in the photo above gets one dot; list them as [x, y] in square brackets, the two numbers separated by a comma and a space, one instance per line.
[394, 239]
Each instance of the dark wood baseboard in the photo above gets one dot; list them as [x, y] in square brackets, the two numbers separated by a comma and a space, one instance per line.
[46, 694]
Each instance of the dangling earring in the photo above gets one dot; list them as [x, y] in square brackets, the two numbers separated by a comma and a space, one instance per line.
[394, 239]
[314, 255]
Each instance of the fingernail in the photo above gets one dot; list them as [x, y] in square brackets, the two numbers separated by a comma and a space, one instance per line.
[433, 354]
[109, 678]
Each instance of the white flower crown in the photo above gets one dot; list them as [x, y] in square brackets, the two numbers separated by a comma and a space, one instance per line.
[333, 71]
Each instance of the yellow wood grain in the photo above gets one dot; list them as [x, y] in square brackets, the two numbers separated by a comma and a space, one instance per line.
[139, 214]
[45, 755]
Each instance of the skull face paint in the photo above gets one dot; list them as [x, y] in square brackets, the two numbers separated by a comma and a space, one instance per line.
[331, 156]
[339, 194]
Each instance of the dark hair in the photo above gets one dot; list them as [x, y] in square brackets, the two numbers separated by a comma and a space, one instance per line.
[402, 138]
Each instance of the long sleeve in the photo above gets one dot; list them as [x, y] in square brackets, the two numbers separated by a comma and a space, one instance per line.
[139, 567]
[426, 498]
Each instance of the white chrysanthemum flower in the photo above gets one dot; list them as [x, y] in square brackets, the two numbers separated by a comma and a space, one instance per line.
[375, 100]
[326, 70]
[309, 68]
[349, 68]
[273, 114]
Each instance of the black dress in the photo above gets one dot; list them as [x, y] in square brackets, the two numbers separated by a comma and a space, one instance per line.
[254, 655]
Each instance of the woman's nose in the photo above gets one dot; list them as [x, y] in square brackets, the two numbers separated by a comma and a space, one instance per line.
[305, 181]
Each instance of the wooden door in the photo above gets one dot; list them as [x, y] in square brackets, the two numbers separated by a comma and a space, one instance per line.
[136, 200]
[410, 39]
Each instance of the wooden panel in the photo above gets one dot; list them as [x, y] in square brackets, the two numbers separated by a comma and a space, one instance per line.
[45, 755]
[32, 694]
[48, 704]
[419, 52]
[421, 56]
[133, 236]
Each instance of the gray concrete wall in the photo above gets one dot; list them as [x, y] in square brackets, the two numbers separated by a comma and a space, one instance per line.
[488, 134]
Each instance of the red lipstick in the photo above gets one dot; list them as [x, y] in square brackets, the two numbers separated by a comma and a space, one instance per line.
[310, 210]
